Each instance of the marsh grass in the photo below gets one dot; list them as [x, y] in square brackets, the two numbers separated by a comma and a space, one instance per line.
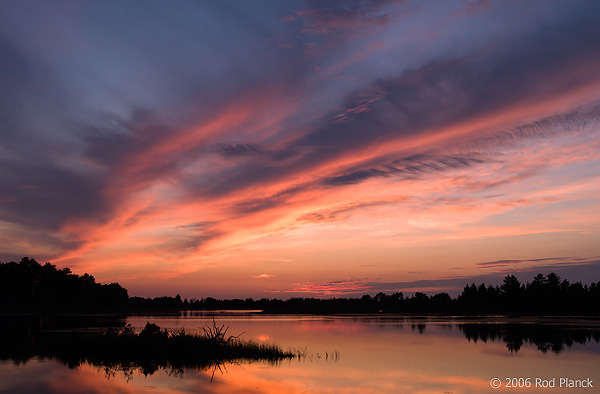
[125, 351]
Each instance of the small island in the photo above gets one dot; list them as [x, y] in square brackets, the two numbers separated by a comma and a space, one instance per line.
[152, 348]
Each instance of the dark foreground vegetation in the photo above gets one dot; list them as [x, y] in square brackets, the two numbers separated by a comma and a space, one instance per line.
[124, 350]
[31, 287]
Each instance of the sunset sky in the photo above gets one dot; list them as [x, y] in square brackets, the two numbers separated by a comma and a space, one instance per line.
[301, 148]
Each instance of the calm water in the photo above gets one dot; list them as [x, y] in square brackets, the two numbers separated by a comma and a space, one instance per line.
[352, 355]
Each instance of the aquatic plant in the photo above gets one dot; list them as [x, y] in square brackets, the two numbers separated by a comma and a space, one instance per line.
[150, 349]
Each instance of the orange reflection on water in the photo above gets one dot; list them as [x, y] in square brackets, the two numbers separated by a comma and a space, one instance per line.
[342, 355]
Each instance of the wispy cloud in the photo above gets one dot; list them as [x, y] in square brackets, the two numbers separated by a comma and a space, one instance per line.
[408, 167]
[334, 288]
[503, 263]
[330, 17]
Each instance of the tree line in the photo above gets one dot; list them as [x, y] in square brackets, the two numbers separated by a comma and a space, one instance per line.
[544, 295]
[29, 286]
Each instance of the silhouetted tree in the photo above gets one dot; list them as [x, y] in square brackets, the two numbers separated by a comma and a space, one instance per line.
[510, 292]
[31, 286]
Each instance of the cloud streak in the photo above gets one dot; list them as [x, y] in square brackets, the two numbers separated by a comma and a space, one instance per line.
[503, 263]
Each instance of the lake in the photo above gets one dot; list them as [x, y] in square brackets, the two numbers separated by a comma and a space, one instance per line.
[342, 354]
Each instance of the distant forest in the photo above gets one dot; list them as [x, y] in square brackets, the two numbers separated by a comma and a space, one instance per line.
[28, 286]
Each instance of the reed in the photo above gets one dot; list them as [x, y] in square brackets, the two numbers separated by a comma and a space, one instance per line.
[146, 351]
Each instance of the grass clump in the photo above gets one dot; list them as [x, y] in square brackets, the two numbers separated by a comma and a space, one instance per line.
[125, 350]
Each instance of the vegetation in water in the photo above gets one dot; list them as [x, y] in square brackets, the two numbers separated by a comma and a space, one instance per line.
[125, 350]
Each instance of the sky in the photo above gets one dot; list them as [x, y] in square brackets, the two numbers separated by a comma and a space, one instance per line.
[301, 148]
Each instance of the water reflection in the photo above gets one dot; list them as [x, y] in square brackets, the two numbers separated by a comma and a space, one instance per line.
[19, 335]
[374, 355]
[125, 351]
[544, 337]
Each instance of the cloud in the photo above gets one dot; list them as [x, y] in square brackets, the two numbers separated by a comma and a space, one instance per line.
[60, 194]
[582, 118]
[256, 205]
[237, 149]
[478, 152]
[263, 276]
[326, 17]
[476, 6]
[334, 288]
[408, 167]
[503, 263]
[428, 100]
[341, 211]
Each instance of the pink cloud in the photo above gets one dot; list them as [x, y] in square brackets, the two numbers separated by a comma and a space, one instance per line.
[263, 276]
